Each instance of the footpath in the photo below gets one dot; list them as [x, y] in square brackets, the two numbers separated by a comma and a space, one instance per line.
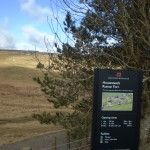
[43, 142]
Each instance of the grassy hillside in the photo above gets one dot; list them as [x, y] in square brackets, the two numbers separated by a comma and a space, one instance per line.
[20, 97]
[18, 75]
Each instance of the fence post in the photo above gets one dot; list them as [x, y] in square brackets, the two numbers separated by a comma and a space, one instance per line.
[55, 143]
[69, 146]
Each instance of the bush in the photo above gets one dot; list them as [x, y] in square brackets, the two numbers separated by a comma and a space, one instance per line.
[40, 65]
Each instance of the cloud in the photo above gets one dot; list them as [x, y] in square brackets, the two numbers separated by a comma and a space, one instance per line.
[24, 45]
[34, 9]
[36, 38]
[7, 40]
[29, 38]
[32, 39]
[34, 35]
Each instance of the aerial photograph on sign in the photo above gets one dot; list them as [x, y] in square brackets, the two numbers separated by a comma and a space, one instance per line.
[115, 101]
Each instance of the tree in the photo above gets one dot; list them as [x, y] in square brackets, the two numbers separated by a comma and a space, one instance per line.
[125, 21]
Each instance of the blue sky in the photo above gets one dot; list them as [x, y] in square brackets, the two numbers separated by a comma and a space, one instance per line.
[23, 23]
[24, 26]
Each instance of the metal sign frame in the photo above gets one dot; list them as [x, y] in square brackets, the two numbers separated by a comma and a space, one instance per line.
[116, 109]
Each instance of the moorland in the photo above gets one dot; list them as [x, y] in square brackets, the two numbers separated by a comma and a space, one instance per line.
[21, 97]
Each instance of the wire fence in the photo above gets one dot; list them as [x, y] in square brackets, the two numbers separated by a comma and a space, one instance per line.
[60, 140]
[76, 144]
[83, 144]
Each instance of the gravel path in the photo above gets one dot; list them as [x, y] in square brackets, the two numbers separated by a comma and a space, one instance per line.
[43, 142]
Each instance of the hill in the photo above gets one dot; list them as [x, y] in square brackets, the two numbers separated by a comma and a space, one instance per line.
[20, 96]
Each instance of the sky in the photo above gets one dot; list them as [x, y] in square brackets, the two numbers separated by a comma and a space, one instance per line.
[32, 24]
[24, 25]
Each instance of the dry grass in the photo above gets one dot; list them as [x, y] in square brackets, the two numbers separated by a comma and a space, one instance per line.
[20, 97]
[26, 60]
[12, 132]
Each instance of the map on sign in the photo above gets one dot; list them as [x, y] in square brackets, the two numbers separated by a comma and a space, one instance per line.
[115, 101]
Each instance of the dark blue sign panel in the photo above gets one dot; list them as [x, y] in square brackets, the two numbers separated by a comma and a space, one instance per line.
[116, 109]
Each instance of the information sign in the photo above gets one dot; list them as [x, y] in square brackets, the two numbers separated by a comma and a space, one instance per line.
[116, 109]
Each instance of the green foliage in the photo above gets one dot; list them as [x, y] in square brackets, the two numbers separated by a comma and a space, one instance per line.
[125, 21]
[76, 124]
[44, 117]
[40, 65]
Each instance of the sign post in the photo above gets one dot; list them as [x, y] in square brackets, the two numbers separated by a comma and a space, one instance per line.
[116, 109]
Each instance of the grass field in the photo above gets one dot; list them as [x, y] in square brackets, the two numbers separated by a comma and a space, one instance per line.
[20, 97]
[114, 101]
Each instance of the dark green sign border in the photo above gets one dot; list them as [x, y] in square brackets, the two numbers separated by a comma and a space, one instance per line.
[126, 122]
